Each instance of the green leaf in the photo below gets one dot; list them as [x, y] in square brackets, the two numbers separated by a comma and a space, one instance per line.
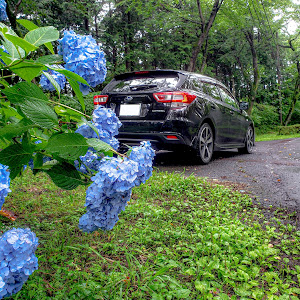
[15, 156]
[17, 41]
[23, 91]
[99, 145]
[68, 145]
[33, 103]
[42, 35]
[75, 86]
[68, 113]
[53, 81]
[68, 74]
[15, 52]
[65, 176]
[201, 285]
[38, 160]
[39, 113]
[182, 293]
[31, 26]
[27, 24]
[49, 59]
[13, 130]
[27, 69]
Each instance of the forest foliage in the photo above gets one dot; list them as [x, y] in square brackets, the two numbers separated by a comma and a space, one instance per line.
[248, 45]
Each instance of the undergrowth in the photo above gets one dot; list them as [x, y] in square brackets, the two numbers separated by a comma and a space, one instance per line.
[179, 238]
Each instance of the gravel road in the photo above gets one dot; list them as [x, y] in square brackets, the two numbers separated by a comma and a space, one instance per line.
[271, 175]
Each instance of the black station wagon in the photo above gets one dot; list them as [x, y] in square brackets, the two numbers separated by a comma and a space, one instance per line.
[177, 108]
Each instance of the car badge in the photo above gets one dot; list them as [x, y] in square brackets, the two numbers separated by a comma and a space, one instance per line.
[128, 98]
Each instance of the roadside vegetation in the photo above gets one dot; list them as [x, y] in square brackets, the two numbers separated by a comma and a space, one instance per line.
[179, 238]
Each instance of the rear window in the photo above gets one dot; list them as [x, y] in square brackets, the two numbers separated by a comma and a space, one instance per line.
[144, 82]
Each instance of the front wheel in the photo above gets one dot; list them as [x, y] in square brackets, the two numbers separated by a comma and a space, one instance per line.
[249, 141]
[206, 143]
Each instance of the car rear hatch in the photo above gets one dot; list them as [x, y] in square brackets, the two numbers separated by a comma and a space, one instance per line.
[133, 97]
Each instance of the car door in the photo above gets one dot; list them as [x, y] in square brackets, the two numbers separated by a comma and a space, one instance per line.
[237, 119]
[218, 113]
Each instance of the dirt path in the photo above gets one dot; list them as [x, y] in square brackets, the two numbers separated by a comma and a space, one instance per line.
[271, 174]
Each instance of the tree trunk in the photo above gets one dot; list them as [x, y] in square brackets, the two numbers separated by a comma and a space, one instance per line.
[295, 97]
[254, 85]
[278, 71]
[205, 28]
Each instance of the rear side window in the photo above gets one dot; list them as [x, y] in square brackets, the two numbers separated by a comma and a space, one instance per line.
[195, 84]
[227, 98]
[136, 83]
[211, 90]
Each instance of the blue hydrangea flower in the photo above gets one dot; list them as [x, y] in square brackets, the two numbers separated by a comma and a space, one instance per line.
[17, 259]
[104, 215]
[83, 57]
[110, 191]
[59, 78]
[90, 160]
[4, 183]
[143, 155]
[107, 124]
[3, 15]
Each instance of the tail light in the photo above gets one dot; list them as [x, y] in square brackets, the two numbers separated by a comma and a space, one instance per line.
[177, 99]
[100, 99]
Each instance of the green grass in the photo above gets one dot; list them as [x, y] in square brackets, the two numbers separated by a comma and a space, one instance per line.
[179, 238]
[274, 136]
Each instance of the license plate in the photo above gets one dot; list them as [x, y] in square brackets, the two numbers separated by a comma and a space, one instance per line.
[130, 109]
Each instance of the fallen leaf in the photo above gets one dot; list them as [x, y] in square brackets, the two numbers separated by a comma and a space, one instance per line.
[8, 214]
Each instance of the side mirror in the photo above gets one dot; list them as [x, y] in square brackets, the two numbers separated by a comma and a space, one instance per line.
[244, 105]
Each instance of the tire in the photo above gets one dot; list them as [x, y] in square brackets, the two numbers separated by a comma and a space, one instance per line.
[205, 143]
[249, 142]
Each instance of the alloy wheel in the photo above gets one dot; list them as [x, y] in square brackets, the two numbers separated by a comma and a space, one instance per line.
[206, 143]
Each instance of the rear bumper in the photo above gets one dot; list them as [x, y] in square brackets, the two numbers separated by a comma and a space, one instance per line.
[159, 141]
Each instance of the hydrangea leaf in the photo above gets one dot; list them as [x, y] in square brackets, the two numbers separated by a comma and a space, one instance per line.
[27, 24]
[15, 129]
[68, 74]
[49, 59]
[75, 86]
[53, 82]
[99, 145]
[15, 156]
[42, 35]
[31, 26]
[68, 113]
[67, 145]
[17, 41]
[8, 45]
[65, 176]
[24, 91]
[27, 69]
[39, 113]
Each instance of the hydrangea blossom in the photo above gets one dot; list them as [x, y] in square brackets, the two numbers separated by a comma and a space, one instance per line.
[107, 124]
[3, 14]
[17, 259]
[83, 57]
[105, 214]
[58, 77]
[143, 155]
[110, 191]
[4, 183]
[90, 160]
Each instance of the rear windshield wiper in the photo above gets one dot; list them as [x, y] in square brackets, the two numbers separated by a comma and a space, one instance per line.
[142, 87]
